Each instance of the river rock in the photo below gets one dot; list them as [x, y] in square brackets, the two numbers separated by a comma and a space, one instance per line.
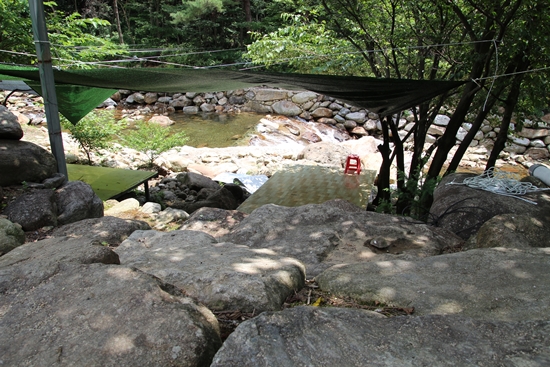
[325, 153]
[161, 120]
[463, 210]
[123, 206]
[10, 128]
[11, 236]
[512, 231]
[224, 276]
[335, 232]
[21, 161]
[312, 336]
[321, 112]
[106, 315]
[196, 181]
[286, 108]
[76, 201]
[490, 284]
[107, 230]
[304, 97]
[33, 210]
[266, 94]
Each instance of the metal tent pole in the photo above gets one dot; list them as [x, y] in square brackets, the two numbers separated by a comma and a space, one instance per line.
[47, 82]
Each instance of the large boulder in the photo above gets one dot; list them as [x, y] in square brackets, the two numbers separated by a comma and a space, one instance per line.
[107, 230]
[23, 161]
[312, 336]
[463, 210]
[490, 284]
[196, 181]
[34, 209]
[335, 232]
[106, 315]
[223, 276]
[34, 262]
[221, 198]
[512, 230]
[325, 153]
[9, 125]
[214, 221]
[76, 201]
[11, 236]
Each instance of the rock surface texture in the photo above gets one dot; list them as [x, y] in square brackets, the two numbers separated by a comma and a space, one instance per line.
[311, 336]
[223, 276]
[321, 235]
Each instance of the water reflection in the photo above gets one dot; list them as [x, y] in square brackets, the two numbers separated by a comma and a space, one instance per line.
[215, 130]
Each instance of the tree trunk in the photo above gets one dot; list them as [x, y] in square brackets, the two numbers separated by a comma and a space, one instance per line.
[117, 20]
[383, 180]
[502, 136]
[247, 11]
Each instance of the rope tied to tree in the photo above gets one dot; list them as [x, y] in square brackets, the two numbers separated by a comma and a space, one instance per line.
[501, 183]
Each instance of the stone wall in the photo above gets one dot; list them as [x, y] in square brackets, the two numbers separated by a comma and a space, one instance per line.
[532, 140]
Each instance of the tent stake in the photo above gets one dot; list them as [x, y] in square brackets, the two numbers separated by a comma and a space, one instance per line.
[47, 82]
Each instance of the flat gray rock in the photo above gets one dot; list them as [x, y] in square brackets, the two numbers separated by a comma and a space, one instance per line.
[214, 221]
[335, 232]
[107, 230]
[223, 276]
[311, 336]
[32, 263]
[105, 315]
[491, 284]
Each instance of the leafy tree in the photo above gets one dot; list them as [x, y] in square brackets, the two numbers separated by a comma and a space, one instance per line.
[15, 31]
[95, 131]
[73, 39]
[153, 139]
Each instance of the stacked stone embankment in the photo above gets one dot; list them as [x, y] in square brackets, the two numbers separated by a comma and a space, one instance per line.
[532, 140]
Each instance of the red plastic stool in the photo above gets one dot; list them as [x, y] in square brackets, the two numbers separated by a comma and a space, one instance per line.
[353, 165]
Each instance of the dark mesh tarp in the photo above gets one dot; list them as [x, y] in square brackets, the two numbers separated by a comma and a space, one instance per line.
[383, 96]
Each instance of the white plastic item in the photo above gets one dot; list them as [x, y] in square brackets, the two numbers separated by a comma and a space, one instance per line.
[541, 172]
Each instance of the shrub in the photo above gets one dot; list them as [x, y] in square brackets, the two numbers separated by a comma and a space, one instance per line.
[153, 139]
[95, 131]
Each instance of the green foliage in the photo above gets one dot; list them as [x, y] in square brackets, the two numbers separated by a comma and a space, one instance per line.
[153, 139]
[78, 40]
[95, 131]
[306, 48]
[194, 9]
[73, 39]
[15, 31]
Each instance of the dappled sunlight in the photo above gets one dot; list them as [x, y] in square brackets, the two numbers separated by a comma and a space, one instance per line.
[421, 240]
[367, 255]
[120, 273]
[386, 293]
[317, 235]
[264, 251]
[451, 307]
[261, 265]
[119, 344]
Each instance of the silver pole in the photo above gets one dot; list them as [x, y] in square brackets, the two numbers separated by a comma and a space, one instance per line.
[47, 82]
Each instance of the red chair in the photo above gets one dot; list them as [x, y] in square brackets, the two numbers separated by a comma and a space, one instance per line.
[353, 165]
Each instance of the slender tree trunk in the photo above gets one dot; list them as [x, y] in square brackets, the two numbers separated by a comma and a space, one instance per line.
[117, 19]
[502, 136]
[383, 180]
[247, 11]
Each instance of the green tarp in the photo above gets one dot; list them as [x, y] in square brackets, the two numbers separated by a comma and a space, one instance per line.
[383, 96]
